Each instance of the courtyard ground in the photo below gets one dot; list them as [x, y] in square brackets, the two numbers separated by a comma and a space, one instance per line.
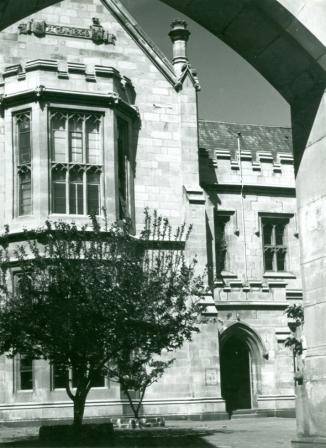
[237, 433]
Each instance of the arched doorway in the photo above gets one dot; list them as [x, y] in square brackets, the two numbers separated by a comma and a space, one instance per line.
[242, 355]
[236, 374]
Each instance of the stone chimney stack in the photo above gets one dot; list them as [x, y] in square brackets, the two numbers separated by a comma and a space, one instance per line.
[179, 35]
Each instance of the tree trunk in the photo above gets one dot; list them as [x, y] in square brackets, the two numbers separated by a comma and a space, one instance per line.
[79, 408]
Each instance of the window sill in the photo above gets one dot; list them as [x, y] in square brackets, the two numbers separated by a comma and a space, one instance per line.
[62, 389]
[226, 274]
[66, 215]
[270, 274]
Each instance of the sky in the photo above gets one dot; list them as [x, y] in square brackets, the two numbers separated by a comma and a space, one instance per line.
[232, 90]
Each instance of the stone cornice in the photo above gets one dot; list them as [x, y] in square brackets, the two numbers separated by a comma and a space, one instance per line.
[238, 305]
[43, 94]
[63, 69]
[195, 195]
[256, 158]
[39, 235]
[263, 190]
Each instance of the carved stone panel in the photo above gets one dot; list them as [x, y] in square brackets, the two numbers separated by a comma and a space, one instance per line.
[95, 32]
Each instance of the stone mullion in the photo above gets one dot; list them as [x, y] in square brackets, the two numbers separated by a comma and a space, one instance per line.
[274, 248]
[68, 190]
[85, 211]
[68, 166]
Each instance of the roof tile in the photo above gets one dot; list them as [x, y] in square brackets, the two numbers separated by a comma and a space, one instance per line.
[254, 138]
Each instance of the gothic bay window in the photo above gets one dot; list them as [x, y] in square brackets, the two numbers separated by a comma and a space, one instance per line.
[23, 162]
[76, 162]
[274, 244]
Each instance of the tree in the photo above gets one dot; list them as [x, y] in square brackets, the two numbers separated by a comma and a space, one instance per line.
[83, 294]
[163, 298]
[295, 314]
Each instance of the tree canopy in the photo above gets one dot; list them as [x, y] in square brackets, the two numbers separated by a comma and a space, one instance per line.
[98, 300]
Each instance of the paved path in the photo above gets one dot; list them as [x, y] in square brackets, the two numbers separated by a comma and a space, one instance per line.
[237, 433]
[247, 432]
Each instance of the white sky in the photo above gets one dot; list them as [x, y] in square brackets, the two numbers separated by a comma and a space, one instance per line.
[231, 89]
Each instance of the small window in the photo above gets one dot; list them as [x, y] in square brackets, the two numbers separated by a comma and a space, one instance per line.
[25, 373]
[123, 168]
[221, 242]
[98, 380]
[60, 376]
[23, 162]
[275, 249]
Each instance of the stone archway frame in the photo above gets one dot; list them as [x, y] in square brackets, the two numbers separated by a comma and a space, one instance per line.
[257, 350]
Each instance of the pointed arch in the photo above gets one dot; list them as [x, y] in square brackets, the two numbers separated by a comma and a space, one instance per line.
[248, 335]
[244, 338]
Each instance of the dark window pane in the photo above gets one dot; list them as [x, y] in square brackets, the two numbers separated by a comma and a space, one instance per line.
[220, 244]
[25, 193]
[280, 257]
[93, 193]
[24, 147]
[26, 374]
[60, 376]
[98, 380]
[76, 194]
[279, 234]
[76, 139]
[220, 260]
[123, 151]
[59, 136]
[268, 232]
[93, 140]
[269, 256]
[59, 192]
[24, 138]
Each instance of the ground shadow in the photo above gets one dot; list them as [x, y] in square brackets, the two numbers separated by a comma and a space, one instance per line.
[159, 438]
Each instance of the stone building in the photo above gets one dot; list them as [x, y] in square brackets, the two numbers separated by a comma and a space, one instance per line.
[93, 115]
[247, 174]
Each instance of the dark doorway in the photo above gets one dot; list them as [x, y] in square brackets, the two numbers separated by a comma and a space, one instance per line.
[235, 374]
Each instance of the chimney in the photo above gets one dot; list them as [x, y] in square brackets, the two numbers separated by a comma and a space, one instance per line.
[179, 35]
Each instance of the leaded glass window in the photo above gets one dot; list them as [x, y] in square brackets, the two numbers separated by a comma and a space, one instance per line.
[123, 168]
[24, 162]
[274, 244]
[76, 162]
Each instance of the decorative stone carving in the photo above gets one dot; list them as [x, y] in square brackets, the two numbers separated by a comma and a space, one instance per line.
[95, 32]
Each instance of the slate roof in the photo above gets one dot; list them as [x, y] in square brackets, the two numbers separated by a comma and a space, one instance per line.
[254, 138]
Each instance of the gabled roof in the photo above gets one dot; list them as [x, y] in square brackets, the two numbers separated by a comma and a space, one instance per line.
[139, 35]
[215, 135]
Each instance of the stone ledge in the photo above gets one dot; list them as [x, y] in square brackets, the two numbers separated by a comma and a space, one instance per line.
[309, 442]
